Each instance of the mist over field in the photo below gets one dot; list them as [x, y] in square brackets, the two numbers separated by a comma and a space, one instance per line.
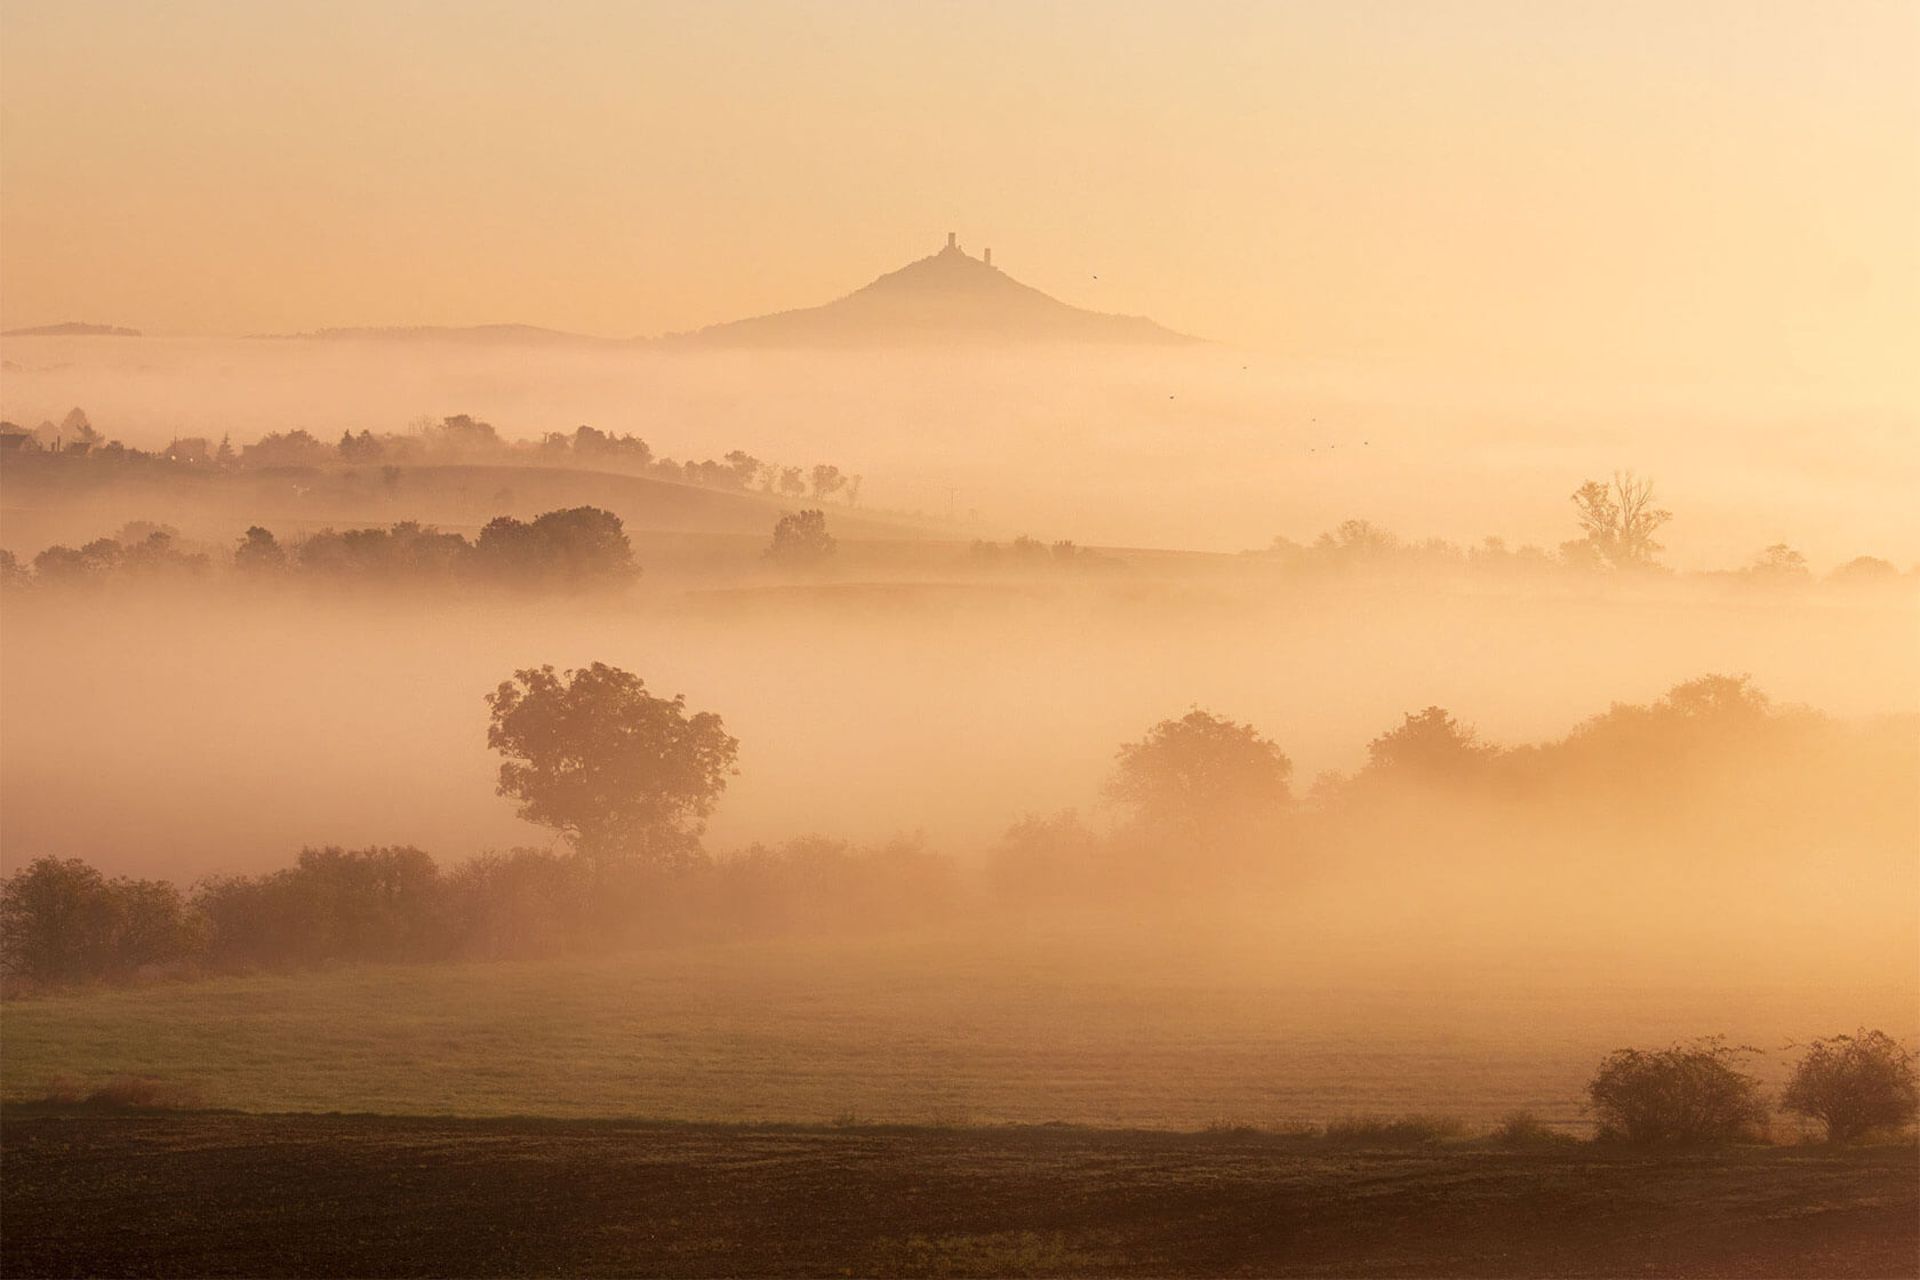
[863, 712]
[997, 640]
[930, 683]
[1033, 556]
[1210, 447]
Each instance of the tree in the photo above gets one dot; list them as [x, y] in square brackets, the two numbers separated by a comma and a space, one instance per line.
[1702, 711]
[1854, 1085]
[827, 481]
[577, 545]
[585, 544]
[1617, 522]
[793, 482]
[1428, 746]
[619, 772]
[591, 442]
[360, 448]
[259, 552]
[1865, 569]
[286, 449]
[1356, 541]
[155, 553]
[1716, 699]
[56, 921]
[1045, 857]
[463, 434]
[1198, 772]
[743, 466]
[97, 559]
[1688, 1093]
[62, 921]
[1779, 563]
[800, 538]
[75, 427]
[382, 903]
[401, 551]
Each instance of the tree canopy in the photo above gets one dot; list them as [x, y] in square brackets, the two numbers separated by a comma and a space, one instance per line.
[801, 538]
[1428, 746]
[618, 771]
[1198, 771]
[1618, 521]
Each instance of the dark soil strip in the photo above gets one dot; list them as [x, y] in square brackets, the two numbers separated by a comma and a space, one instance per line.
[237, 1195]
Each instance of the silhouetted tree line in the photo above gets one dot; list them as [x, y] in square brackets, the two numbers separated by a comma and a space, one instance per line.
[460, 438]
[1616, 521]
[571, 548]
[1712, 774]
[626, 779]
[140, 551]
[1031, 554]
[63, 923]
[578, 547]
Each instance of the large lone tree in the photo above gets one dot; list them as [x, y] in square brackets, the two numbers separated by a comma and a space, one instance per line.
[621, 773]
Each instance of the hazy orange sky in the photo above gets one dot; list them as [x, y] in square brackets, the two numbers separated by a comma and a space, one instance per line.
[1693, 191]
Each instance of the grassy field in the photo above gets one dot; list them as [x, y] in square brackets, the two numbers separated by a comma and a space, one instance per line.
[1117, 1029]
[214, 1195]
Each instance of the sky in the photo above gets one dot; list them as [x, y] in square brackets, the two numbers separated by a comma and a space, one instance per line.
[1703, 192]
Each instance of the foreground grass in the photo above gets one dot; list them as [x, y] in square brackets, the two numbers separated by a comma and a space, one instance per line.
[209, 1194]
[1119, 1030]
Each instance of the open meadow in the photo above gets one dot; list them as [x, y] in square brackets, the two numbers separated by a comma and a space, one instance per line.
[1119, 1026]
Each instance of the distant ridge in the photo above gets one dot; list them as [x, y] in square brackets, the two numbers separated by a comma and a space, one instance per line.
[71, 329]
[476, 334]
[947, 297]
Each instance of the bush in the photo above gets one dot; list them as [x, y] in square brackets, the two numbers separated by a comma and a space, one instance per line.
[526, 903]
[1230, 1131]
[1854, 1085]
[1685, 1094]
[124, 1093]
[1405, 1131]
[1524, 1129]
[379, 904]
[815, 884]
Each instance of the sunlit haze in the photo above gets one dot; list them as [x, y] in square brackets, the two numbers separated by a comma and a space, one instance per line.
[932, 639]
[1717, 194]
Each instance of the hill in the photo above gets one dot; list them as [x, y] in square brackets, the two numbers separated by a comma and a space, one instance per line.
[470, 335]
[947, 297]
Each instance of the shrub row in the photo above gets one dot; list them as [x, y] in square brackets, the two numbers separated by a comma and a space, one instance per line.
[63, 923]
